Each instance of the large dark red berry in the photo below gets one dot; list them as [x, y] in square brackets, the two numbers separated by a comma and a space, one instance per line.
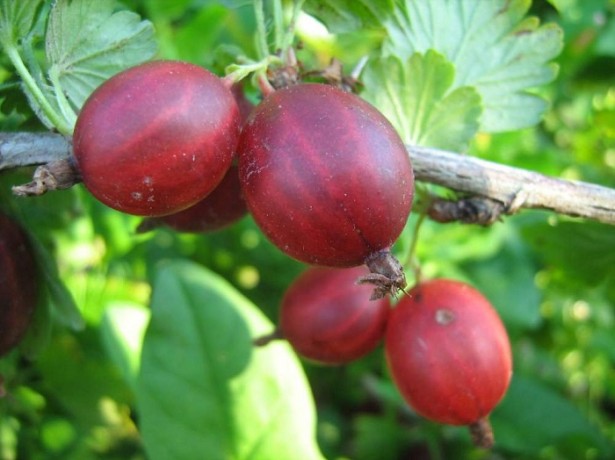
[328, 318]
[326, 176]
[156, 138]
[18, 284]
[449, 353]
[222, 207]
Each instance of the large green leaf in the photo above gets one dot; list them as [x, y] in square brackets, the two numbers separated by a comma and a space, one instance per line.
[203, 391]
[418, 98]
[88, 41]
[492, 45]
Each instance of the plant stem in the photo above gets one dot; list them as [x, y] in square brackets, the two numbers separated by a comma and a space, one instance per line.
[289, 35]
[261, 29]
[410, 259]
[515, 187]
[278, 25]
[37, 95]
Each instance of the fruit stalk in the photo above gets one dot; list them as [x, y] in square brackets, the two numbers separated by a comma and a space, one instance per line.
[482, 433]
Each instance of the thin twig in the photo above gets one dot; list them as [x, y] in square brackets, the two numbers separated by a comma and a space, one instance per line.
[515, 188]
[27, 149]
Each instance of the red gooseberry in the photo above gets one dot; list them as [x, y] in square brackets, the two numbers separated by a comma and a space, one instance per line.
[156, 138]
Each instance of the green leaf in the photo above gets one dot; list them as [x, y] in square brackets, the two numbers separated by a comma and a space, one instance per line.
[493, 47]
[65, 309]
[203, 388]
[16, 19]
[418, 98]
[515, 296]
[349, 15]
[584, 251]
[88, 41]
[533, 416]
[122, 328]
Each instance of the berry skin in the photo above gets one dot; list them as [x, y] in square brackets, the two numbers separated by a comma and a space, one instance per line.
[221, 208]
[325, 175]
[448, 352]
[19, 288]
[328, 318]
[156, 138]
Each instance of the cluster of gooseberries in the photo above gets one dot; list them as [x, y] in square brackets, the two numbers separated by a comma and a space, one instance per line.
[324, 174]
[446, 348]
[328, 180]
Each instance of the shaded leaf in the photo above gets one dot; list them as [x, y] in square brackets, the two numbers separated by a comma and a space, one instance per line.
[202, 387]
[418, 98]
[349, 15]
[584, 251]
[532, 416]
[65, 309]
[515, 296]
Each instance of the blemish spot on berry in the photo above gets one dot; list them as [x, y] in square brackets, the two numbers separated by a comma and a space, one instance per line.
[444, 317]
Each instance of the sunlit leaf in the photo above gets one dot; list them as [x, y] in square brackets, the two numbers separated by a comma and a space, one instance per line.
[123, 326]
[418, 98]
[88, 41]
[202, 386]
[493, 47]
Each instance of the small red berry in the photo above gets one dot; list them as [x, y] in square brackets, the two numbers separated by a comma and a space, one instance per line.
[448, 352]
[328, 318]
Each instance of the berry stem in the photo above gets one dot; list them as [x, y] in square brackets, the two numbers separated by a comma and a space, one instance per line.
[266, 339]
[482, 433]
[386, 274]
[411, 260]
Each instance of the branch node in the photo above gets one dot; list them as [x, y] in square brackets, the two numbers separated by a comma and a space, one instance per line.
[57, 175]
[469, 210]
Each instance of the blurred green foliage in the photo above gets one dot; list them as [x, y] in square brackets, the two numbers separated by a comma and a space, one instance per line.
[551, 278]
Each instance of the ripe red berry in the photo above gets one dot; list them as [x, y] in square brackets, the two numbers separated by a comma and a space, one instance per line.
[222, 207]
[325, 175]
[18, 284]
[328, 318]
[156, 138]
[448, 352]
